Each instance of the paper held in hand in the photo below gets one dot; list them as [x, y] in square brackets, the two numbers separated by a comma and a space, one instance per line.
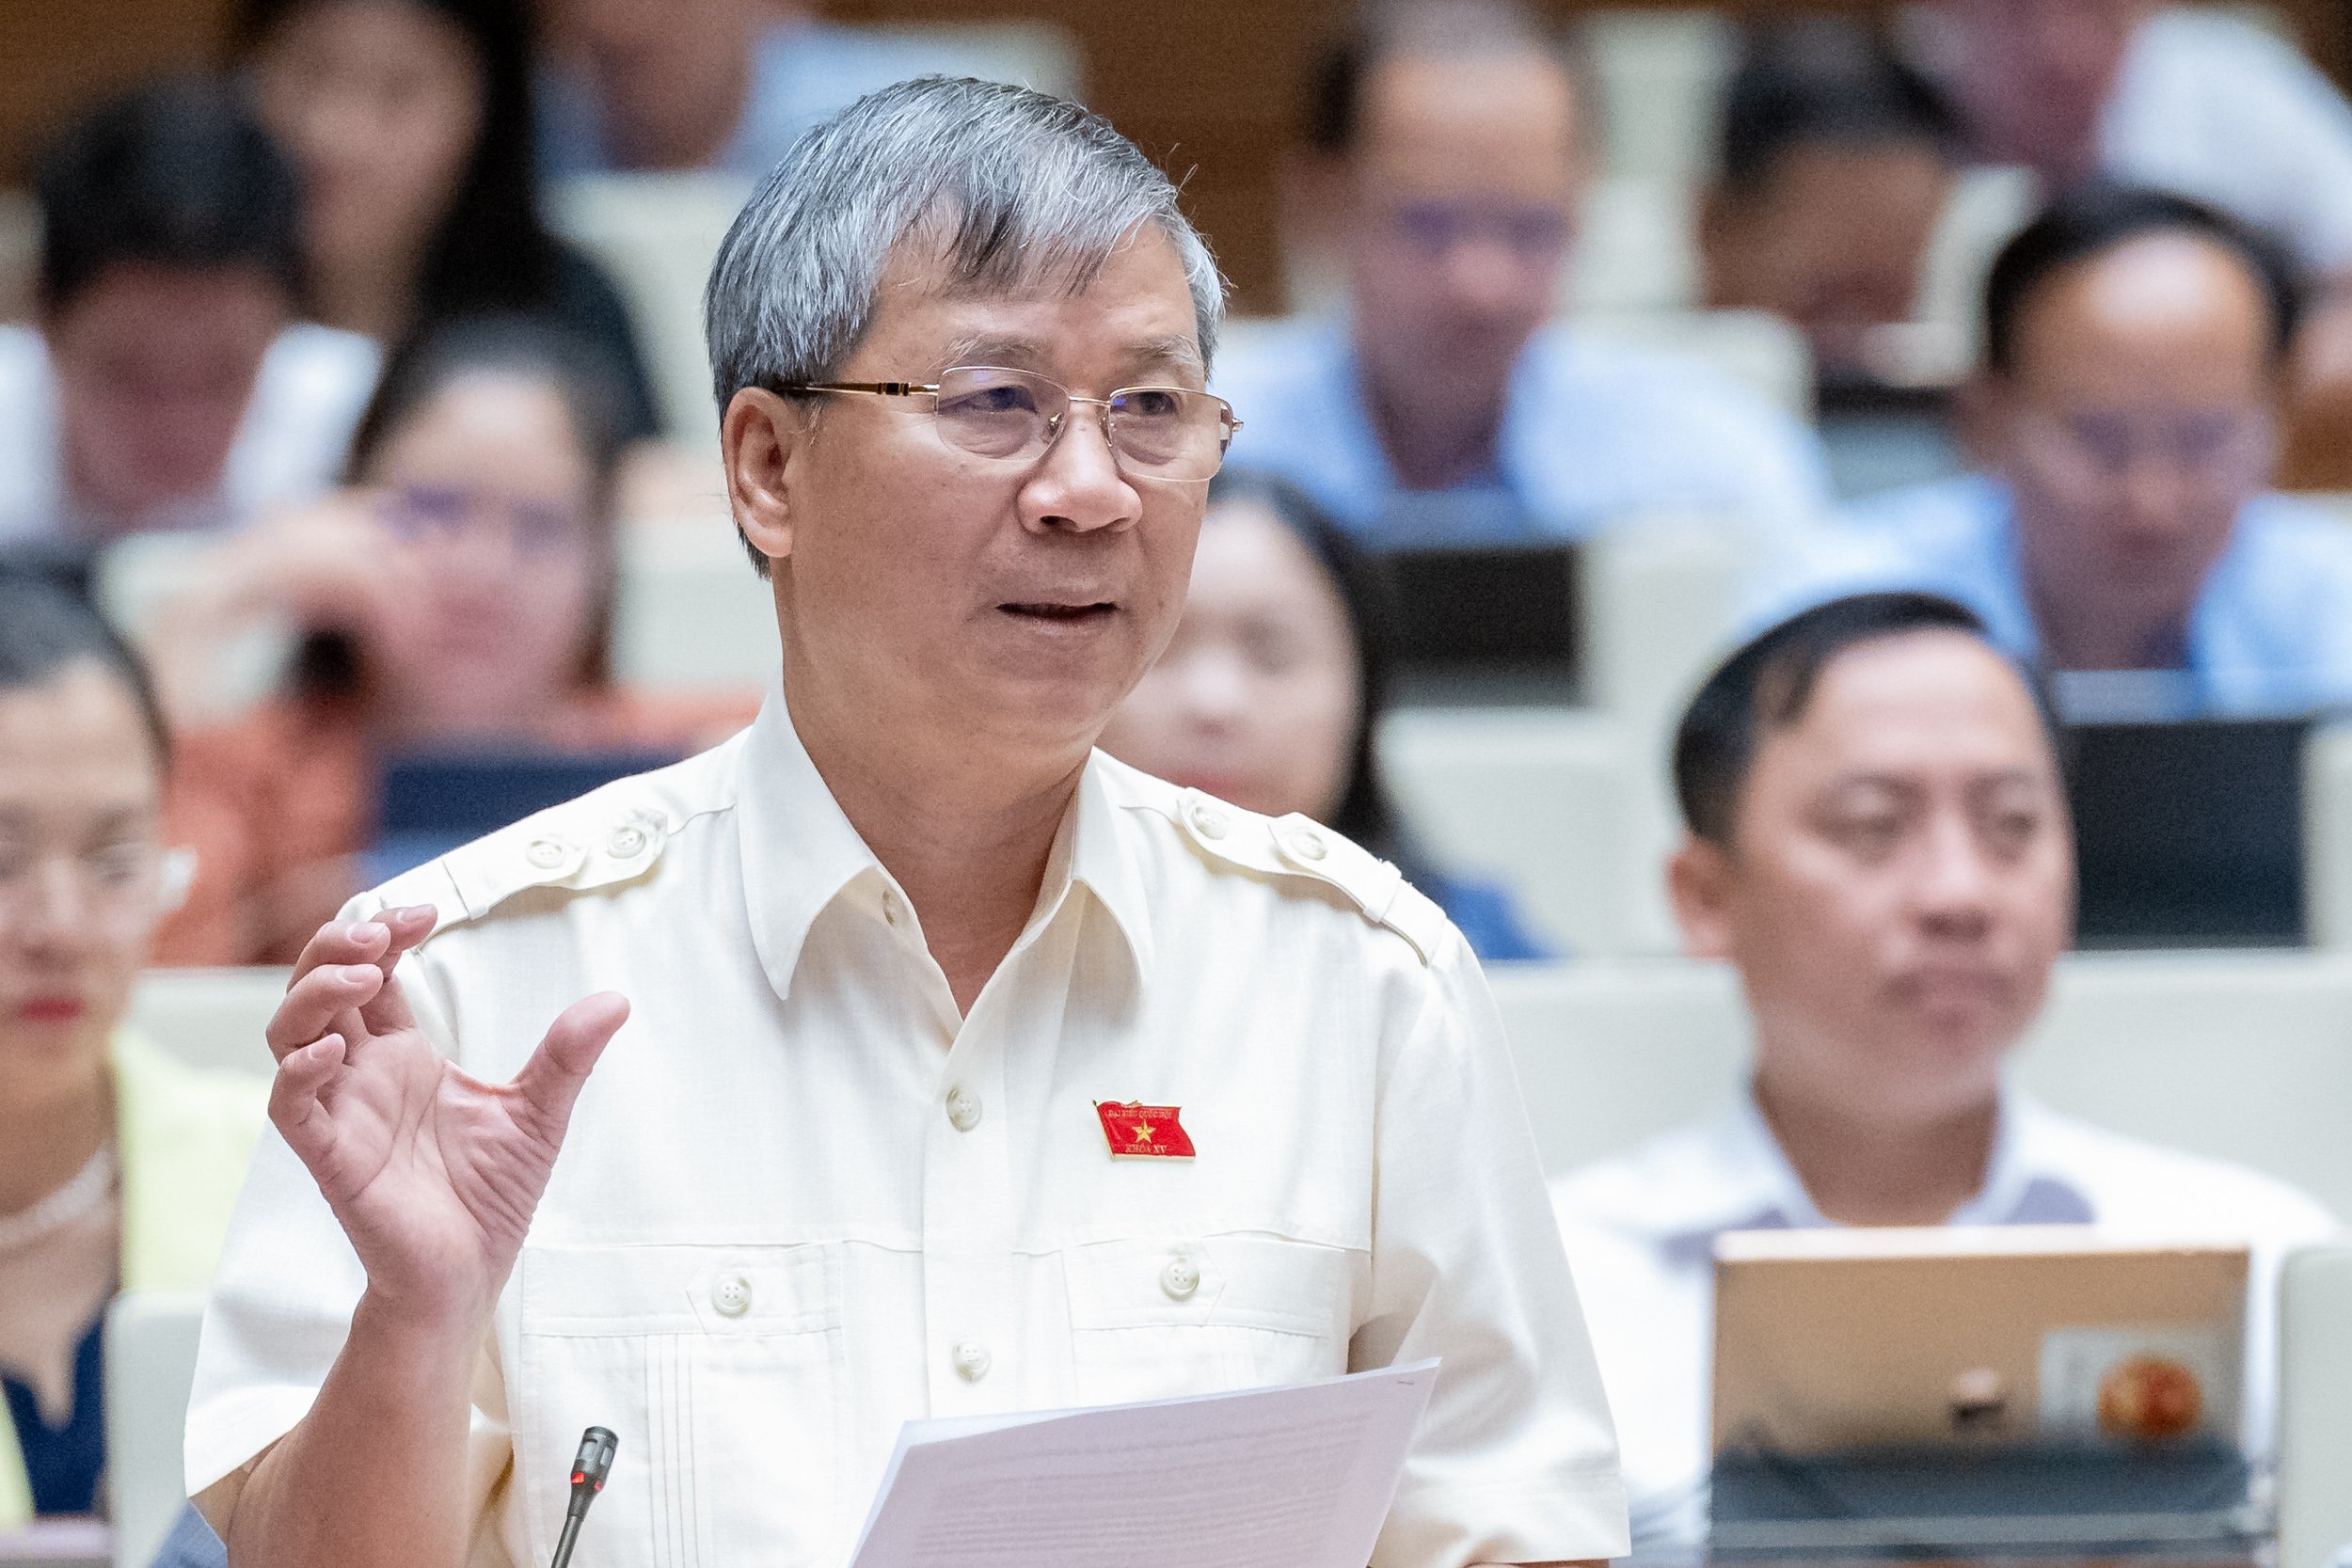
[1275, 1478]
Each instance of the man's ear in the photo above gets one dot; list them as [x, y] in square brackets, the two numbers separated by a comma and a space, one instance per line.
[1699, 882]
[763, 440]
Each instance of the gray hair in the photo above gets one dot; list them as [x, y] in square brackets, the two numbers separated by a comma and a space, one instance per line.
[1017, 186]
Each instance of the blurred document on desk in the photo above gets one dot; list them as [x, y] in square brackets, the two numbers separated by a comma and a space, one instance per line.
[1275, 1478]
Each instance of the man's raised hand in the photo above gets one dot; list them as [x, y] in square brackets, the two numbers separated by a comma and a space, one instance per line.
[432, 1173]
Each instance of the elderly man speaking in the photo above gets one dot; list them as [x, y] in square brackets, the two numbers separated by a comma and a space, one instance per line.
[960, 1068]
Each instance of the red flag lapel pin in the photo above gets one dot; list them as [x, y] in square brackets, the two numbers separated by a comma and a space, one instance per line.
[1137, 1132]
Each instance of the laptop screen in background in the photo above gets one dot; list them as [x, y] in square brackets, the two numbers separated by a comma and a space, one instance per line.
[2189, 832]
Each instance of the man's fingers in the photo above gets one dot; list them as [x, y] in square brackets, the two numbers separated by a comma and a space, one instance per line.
[405, 927]
[325, 998]
[293, 1097]
[341, 941]
[552, 1079]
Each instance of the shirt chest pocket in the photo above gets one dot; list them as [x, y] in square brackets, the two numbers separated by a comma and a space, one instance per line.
[720, 1369]
[1201, 1315]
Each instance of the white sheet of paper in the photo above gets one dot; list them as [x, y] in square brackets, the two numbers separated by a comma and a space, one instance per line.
[1299, 1476]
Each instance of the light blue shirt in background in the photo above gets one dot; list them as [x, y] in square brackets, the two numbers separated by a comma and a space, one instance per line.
[1592, 432]
[2271, 632]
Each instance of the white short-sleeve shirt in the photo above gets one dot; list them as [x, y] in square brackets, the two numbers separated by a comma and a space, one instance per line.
[1641, 1228]
[803, 1200]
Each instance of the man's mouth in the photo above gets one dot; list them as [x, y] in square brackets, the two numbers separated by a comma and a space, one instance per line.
[1062, 612]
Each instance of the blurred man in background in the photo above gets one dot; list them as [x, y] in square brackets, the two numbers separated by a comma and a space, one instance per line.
[1878, 842]
[1448, 153]
[2125, 423]
[167, 383]
[1836, 162]
[2191, 101]
[2184, 99]
[725, 85]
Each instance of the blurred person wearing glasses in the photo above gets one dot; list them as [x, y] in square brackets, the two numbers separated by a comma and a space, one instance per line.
[119, 1164]
[941, 1065]
[2125, 427]
[459, 594]
[1449, 146]
[722, 85]
[167, 382]
[2199, 99]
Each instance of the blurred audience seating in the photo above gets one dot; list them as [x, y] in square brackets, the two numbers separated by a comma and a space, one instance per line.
[2315, 1390]
[2245, 1056]
[210, 1017]
[655, 234]
[151, 1363]
[1661, 72]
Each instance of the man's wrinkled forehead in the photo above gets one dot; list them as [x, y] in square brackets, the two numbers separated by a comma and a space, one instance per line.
[1008, 316]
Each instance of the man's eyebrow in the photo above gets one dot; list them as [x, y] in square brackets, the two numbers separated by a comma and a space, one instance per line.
[1018, 354]
[1175, 350]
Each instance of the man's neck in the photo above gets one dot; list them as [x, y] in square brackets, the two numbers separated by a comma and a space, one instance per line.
[966, 830]
[1434, 446]
[2078, 632]
[1861, 1170]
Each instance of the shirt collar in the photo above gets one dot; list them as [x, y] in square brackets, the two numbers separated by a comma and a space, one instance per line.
[1747, 1183]
[799, 852]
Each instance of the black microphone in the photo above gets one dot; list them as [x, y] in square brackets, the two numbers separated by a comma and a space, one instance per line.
[589, 1467]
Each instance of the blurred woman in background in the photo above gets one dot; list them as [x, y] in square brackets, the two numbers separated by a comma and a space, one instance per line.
[411, 121]
[459, 594]
[119, 1165]
[1271, 693]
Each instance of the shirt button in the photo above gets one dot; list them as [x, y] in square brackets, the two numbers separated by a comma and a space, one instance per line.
[547, 853]
[732, 1296]
[971, 1359]
[1180, 1279]
[893, 908]
[1306, 844]
[1208, 820]
[963, 1108]
[627, 843]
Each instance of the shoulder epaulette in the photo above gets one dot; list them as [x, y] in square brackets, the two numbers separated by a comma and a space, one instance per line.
[1295, 846]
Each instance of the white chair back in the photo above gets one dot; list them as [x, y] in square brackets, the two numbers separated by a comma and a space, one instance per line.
[210, 1017]
[2241, 1056]
[655, 235]
[1542, 801]
[2315, 1407]
[692, 615]
[1661, 72]
[151, 1364]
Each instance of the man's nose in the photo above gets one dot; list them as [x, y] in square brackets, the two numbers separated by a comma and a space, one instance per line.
[1077, 487]
[1483, 273]
[1956, 878]
[2154, 489]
